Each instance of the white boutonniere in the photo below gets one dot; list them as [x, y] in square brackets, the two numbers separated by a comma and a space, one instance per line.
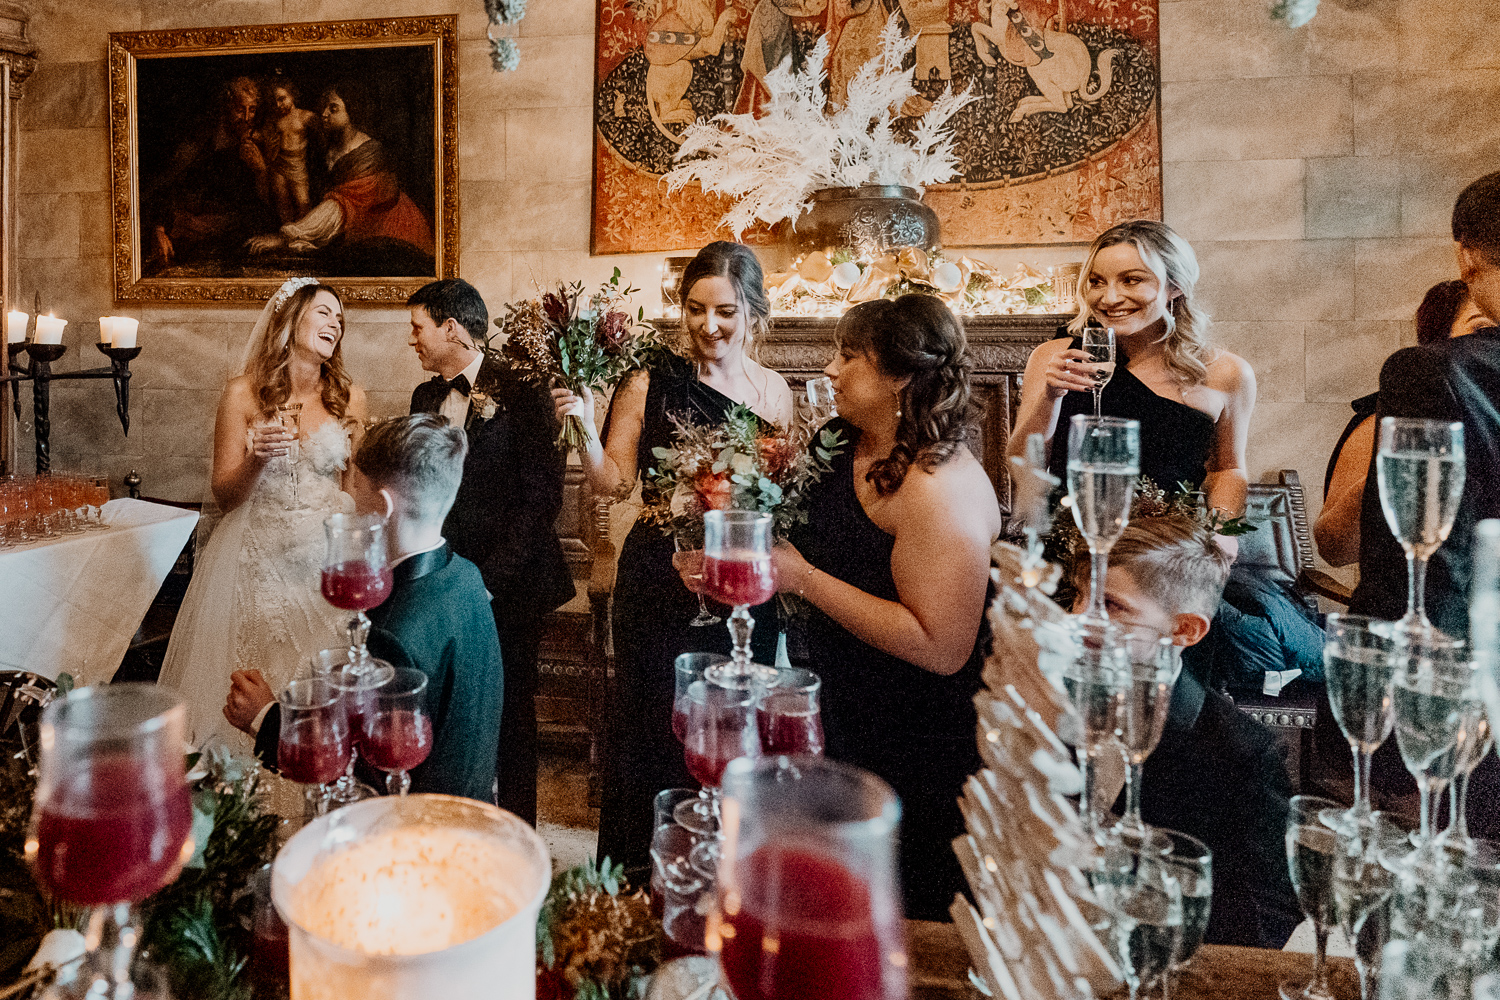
[484, 406]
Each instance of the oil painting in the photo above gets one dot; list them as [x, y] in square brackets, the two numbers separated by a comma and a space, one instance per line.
[241, 156]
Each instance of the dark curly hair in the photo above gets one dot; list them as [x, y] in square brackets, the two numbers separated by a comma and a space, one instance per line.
[917, 337]
[1439, 306]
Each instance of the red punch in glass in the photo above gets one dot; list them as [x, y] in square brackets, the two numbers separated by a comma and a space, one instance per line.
[356, 574]
[720, 727]
[315, 746]
[789, 716]
[737, 570]
[398, 736]
[112, 820]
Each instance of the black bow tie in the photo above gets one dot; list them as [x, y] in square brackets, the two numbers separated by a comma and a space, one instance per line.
[459, 383]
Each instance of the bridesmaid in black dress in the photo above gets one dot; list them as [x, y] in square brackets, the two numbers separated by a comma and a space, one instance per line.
[895, 560]
[1193, 400]
[724, 308]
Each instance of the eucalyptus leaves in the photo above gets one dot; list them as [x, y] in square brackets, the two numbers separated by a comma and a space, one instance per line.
[505, 54]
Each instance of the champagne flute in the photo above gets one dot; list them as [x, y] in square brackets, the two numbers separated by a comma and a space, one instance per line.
[1143, 897]
[789, 716]
[1359, 671]
[356, 574]
[1436, 711]
[687, 538]
[1104, 458]
[1146, 703]
[1361, 888]
[808, 902]
[737, 571]
[720, 728]
[399, 736]
[820, 402]
[112, 818]
[1099, 345]
[1310, 848]
[1097, 681]
[1420, 472]
[289, 415]
[1470, 752]
[315, 746]
[1191, 862]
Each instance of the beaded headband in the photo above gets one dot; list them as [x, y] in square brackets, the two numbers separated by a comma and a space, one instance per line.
[289, 286]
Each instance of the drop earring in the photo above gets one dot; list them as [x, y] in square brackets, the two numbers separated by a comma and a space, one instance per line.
[898, 404]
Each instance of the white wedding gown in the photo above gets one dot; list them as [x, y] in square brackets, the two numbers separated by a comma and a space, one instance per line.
[255, 600]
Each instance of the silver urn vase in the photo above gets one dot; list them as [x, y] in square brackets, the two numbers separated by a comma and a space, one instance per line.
[865, 221]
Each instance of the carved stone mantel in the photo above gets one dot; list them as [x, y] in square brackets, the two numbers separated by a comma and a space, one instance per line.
[17, 61]
[799, 347]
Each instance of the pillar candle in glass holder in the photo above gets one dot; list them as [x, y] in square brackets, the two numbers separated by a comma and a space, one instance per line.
[416, 897]
[49, 329]
[106, 330]
[15, 326]
[125, 331]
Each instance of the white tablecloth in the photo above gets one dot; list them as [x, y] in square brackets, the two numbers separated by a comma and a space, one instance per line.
[74, 603]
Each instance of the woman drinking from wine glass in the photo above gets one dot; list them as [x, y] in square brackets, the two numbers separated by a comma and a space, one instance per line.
[724, 309]
[254, 600]
[894, 560]
[1193, 400]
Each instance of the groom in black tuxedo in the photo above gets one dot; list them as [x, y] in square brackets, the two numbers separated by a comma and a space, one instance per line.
[503, 519]
[437, 619]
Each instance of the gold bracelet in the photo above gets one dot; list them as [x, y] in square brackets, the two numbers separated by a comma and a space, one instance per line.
[802, 590]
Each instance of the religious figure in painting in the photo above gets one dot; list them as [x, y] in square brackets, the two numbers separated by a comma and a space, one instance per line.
[1058, 63]
[285, 137]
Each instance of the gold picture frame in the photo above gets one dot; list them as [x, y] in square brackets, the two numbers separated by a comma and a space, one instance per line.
[235, 161]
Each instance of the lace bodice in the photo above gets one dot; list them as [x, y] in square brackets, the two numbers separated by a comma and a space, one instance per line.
[319, 463]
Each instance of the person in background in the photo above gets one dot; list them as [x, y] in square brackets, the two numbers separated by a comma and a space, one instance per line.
[437, 619]
[505, 513]
[1447, 311]
[1217, 774]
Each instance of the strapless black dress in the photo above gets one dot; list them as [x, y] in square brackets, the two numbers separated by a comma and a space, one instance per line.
[1175, 438]
[649, 626]
[914, 728]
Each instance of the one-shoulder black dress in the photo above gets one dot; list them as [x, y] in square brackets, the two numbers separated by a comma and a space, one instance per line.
[914, 728]
[1175, 438]
[650, 629]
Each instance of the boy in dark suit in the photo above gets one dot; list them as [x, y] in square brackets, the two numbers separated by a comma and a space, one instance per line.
[504, 515]
[437, 618]
[1217, 774]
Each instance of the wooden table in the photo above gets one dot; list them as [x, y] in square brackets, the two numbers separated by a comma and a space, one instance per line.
[940, 969]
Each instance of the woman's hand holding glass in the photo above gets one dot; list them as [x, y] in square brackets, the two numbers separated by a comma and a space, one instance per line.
[270, 440]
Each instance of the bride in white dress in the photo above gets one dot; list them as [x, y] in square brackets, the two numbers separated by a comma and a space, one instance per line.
[254, 601]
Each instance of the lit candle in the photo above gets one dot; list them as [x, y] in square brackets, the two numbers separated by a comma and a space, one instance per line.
[106, 330]
[49, 329]
[15, 326]
[125, 330]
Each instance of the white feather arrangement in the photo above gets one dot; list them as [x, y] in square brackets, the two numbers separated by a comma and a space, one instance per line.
[771, 165]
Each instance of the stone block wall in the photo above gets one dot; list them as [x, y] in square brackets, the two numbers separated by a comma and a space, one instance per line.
[1313, 171]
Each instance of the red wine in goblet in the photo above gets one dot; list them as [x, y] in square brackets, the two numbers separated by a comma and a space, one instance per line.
[737, 570]
[399, 732]
[356, 574]
[356, 586]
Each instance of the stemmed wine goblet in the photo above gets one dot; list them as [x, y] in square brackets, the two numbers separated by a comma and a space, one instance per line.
[1191, 862]
[1099, 345]
[398, 736]
[1420, 472]
[315, 745]
[356, 574]
[1359, 672]
[1140, 726]
[1104, 458]
[721, 726]
[686, 538]
[289, 415]
[1097, 681]
[1143, 897]
[358, 693]
[737, 571]
[789, 715]
[809, 905]
[1437, 712]
[112, 818]
[1310, 848]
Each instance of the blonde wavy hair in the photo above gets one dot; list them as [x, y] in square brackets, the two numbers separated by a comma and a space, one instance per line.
[1172, 260]
[269, 369]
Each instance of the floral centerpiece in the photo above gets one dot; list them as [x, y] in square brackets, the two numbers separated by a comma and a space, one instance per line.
[824, 283]
[770, 165]
[582, 343]
[743, 463]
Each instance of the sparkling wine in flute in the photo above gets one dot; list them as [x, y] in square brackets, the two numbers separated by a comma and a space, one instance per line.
[1156, 928]
[1419, 493]
[1428, 726]
[1309, 851]
[1359, 689]
[1101, 499]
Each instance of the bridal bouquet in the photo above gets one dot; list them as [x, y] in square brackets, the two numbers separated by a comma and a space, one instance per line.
[576, 341]
[741, 464]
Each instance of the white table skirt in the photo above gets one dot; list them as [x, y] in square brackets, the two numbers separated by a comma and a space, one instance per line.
[72, 604]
